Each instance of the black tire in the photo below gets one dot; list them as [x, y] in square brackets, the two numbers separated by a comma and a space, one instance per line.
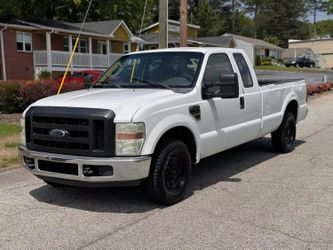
[53, 184]
[170, 172]
[283, 139]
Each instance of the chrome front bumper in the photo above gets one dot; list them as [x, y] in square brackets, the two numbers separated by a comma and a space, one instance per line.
[125, 169]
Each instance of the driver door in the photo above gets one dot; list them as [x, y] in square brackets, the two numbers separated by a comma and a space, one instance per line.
[221, 117]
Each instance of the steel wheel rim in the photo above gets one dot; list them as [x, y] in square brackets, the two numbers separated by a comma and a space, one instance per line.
[174, 175]
[290, 134]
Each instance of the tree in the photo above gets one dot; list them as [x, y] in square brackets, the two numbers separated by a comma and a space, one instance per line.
[284, 18]
[330, 7]
[254, 7]
[207, 18]
[324, 27]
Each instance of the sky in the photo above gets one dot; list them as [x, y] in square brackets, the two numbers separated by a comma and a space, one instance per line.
[321, 16]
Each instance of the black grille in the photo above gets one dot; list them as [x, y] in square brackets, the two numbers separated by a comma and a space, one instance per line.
[99, 135]
[58, 167]
[86, 132]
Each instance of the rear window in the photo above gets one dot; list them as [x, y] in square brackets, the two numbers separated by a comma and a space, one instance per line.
[244, 70]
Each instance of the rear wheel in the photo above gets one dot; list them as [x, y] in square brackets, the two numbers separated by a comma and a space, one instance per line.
[170, 173]
[283, 139]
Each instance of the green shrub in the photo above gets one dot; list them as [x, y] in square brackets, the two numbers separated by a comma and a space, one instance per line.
[267, 61]
[10, 99]
[258, 60]
[43, 75]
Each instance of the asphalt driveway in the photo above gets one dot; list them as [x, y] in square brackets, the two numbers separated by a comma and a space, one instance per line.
[248, 197]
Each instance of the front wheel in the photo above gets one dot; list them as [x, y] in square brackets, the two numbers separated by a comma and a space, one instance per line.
[170, 173]
[283, 139]
[53, 184]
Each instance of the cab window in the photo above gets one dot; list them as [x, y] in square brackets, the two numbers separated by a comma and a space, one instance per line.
[244, 70]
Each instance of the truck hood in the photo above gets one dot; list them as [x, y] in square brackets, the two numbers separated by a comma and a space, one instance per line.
[124, 102]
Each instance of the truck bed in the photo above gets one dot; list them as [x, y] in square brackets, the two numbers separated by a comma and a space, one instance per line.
[263, 82]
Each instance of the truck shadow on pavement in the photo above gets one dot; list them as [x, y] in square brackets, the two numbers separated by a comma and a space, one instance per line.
[214, 169]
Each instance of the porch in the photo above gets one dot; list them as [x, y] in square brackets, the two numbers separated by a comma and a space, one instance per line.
[54, 60]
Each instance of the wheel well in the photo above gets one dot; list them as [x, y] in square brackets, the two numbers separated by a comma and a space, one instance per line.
[182, 134]
[293, 108]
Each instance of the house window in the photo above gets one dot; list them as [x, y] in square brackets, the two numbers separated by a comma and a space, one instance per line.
[153, 47]
[81, 47]
[102, 47]
[24, 41]
[126, 48]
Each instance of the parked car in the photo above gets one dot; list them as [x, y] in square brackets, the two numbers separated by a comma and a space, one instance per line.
[300, 62]
[85, 76]
[153, 115]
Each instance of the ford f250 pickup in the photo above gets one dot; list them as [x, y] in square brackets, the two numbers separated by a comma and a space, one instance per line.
[153, 115]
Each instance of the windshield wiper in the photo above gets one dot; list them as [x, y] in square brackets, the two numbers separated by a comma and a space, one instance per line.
[152, 83]
[106, 82]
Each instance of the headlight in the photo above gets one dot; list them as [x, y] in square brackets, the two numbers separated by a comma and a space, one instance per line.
[129, 138]
[22, 123]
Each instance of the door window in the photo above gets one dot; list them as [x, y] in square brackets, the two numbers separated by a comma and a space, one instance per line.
[102, 47]
[217, 64]
[244, 70]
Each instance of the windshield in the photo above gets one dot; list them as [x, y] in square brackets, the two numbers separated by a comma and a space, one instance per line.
[153, 70]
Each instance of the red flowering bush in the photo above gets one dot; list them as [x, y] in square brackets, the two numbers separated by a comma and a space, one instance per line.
[66, 87]
[318, 88]
[18, 95]
[35, 90]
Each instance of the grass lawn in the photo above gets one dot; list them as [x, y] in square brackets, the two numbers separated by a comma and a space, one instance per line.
[9, 129]
[291, 69]
[9, 141]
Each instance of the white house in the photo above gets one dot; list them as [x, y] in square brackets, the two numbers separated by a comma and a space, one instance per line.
[254, 47]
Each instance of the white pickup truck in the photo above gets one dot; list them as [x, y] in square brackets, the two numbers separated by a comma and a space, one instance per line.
[153, 115]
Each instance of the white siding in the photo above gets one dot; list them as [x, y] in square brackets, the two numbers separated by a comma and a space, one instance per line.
[247, 47]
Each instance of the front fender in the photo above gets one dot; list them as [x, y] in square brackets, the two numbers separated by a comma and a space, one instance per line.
[167, 123]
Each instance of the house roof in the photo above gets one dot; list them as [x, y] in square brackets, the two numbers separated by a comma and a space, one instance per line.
[254, 41]
[220, 41]
[99, 29]
[169, 22]
[310, 41]
[13, 22]
[105, 27]
[152, 38]
[289, 53]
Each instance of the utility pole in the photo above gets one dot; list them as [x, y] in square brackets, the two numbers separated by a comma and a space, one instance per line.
[315, 18]
[163, 24]
[233, 16]
[183, 23]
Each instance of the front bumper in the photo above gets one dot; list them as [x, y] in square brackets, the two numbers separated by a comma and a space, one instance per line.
[126, 170]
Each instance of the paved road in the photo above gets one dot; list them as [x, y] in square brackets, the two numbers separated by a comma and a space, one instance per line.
[247, 197]
[309, 77]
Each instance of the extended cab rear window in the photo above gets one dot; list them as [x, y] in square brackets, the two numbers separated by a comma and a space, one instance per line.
[244, 70]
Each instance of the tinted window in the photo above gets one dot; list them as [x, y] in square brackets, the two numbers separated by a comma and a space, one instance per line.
[244, 70]
[217, 64]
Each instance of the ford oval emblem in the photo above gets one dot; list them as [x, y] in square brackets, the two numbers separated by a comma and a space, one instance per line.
[58, 133]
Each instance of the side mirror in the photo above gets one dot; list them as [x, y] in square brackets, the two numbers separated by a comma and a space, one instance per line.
[227, 87]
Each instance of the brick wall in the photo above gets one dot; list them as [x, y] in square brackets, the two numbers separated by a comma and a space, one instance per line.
[38, 41]
[19, 65]
[57, 42]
